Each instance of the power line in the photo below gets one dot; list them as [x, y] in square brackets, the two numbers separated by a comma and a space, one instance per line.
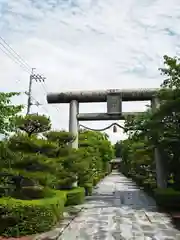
[45, 90]
[14, 56]
[8, 53]
[15, 53]
[36, 103]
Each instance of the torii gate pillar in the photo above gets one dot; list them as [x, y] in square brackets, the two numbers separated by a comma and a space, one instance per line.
[76, 97]
[161, 174]
[73, 122]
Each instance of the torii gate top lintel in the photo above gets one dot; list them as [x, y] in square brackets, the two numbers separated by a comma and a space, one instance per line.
[114, 98]
[141, 94]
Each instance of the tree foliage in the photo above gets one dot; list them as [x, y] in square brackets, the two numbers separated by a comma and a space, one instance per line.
[97, 151]
[33, 124]
[61, 137]
[159, 128]
[8, 112]
[27, 160]
[117, 148]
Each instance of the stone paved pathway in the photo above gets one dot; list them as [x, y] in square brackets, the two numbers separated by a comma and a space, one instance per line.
[119, 210]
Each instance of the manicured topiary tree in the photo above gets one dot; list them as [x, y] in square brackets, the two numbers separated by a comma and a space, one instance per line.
[67, 158]
[28, 155]
[97, 151]
[60, 137]
[33, 124]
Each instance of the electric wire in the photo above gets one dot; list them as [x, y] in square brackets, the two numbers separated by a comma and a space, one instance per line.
[16, 58]
[16, 54]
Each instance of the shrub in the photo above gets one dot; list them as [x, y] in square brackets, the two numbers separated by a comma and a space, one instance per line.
[48, 180]
[60, 137]
[149, 185]
[97, 178]
[139, 179]
[23, 143]
[65, 180]
[168, 198]
[33, 192]
[33, 124]
[27, 217]
[88, 188]
[39, 178]
[25, 178]
[35, 162]
[75, 196]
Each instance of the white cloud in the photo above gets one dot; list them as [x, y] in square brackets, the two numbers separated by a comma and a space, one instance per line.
[88, 44]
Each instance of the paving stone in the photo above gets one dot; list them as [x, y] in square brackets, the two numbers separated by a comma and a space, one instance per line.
[147, 228]
[119, 210]
[51, 235]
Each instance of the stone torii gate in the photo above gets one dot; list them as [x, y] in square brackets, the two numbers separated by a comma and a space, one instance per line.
[114, 98]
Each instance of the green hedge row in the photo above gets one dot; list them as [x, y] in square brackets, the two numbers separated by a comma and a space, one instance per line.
[88, 189]
[98, 178]
[147, 184]
[28, 217]
[88, 186]
[75, 196]
[33, 192]
[166, 198]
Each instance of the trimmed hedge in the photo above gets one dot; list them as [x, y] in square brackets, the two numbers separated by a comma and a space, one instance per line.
[96, 180]
[167, 198]
[75, 196]
[33, 192]
[47, 180]
[88, 188]
[27, 217]
[148, 184]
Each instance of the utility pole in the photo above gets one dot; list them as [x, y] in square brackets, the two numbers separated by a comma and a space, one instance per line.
[36, 77]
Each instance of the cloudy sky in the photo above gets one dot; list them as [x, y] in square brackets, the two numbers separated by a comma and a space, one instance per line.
[86, 44]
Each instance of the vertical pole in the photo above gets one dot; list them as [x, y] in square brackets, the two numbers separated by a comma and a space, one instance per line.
[29, 103]
[29, 95]
[160, 165]
[73, 122]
